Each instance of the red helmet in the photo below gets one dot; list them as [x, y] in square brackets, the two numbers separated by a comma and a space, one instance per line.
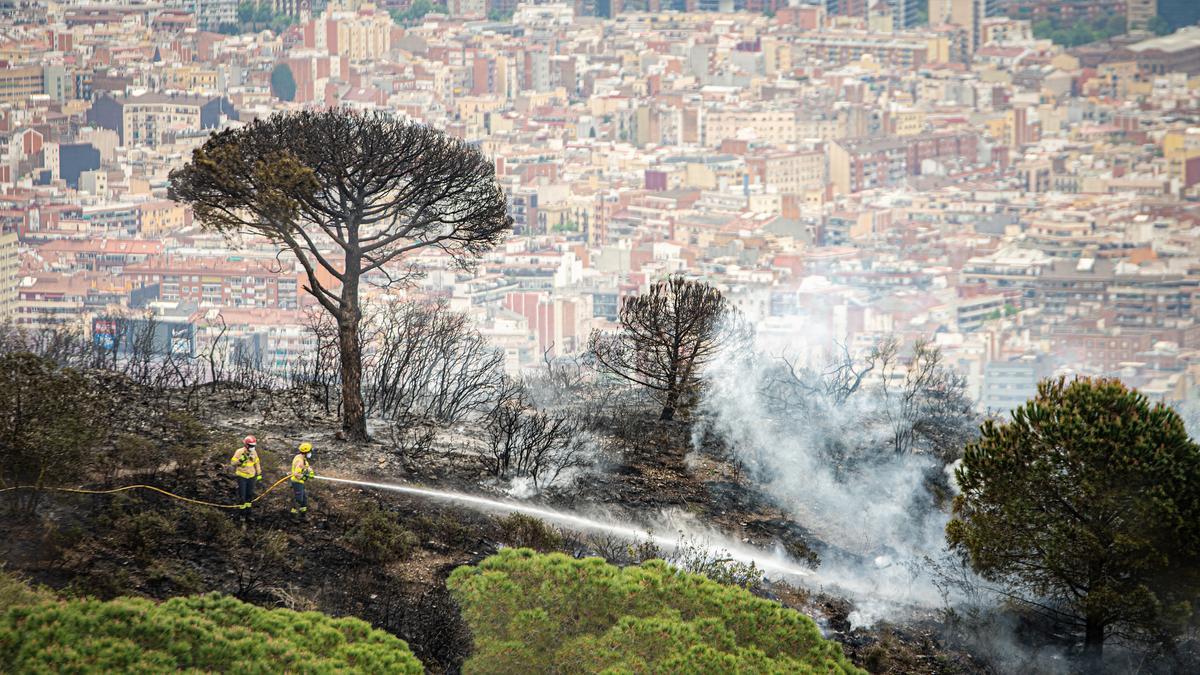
[250, 440]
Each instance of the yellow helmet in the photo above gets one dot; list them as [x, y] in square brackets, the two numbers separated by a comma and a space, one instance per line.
[306, 448]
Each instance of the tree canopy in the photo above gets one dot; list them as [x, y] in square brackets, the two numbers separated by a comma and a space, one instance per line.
[1086, 508]
[552, 613]
[417, 11]
[667, 335]
[199, 634]
[1081, 32]
[349, 195]
[283, 84]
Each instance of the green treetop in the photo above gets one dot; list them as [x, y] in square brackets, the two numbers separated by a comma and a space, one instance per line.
[552, 613]
[192, 635]
[1086, 507]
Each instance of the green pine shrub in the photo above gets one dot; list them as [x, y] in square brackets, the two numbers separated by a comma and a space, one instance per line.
[552, 613]
[16, 591]
[209, 633]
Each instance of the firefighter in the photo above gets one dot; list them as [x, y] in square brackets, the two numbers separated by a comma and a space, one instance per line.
[301, 472]
[249, 470]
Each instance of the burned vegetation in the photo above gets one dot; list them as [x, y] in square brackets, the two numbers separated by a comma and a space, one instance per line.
[576, 436]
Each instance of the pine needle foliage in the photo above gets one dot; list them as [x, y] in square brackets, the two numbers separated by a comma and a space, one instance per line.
[210, 633]
[556, 614]
[1085, 508]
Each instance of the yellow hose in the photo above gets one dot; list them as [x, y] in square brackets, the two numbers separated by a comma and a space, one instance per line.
[161, 491]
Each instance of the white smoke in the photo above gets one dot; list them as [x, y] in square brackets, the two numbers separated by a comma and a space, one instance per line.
[876, 519]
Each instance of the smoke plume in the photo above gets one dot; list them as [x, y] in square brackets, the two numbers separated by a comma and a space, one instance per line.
[831, 465]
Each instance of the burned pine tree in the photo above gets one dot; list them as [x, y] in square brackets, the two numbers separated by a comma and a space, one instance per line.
[667, 335]
[349, 195]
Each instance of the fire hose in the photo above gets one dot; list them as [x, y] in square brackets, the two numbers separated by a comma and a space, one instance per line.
[201, 502]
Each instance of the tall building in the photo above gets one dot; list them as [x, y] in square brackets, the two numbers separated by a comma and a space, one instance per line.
[146, 119]
[366, 34]
[1139, 13]
[968, 14]
[10, 268]
[898, 14]
[905, 13]
[846, 7]
[70, 160]
[210, 14]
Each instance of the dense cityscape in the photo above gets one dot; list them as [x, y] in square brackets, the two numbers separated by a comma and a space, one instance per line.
[701, 336]
[837, 166]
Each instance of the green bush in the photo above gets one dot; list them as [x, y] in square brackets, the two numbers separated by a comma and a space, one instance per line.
[208, 633]
[15, 591]
[522, 531]
[552, 613]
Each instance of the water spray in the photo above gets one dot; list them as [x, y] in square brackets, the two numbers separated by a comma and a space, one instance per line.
[761, 559]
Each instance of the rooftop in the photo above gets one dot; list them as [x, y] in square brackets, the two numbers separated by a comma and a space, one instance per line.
[1180, 40]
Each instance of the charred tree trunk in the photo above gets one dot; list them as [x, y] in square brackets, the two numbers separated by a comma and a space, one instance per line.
[674, 384]
[1093, 644]
[354, 415]
[669, 406]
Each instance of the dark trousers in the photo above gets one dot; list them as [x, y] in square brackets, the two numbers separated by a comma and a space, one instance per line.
[300, 495]
[245, 489]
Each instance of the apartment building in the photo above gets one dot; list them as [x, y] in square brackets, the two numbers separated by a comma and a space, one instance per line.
[150, 119]
[948, 147]
[1009, 384]
[833, 47]
[971, 313]
[10, 279]
[1153, 301]
[1181, 149]
[775, 127]
[1139, 13]
[788, 172]
[99, 254]
[113, 219]
[857, 164]
[46, 302]
[190, 78]
[18, 83]
[220, 283]
[557, 322]
[1087, 345]
[968, 14]
[162, 216]
[1073, 286]
[366, 34]
[210, 14]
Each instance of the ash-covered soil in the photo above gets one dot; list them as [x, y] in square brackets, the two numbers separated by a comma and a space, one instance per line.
[335, 560]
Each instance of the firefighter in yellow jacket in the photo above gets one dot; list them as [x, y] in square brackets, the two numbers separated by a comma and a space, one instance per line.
[249, 470]
[301, 472]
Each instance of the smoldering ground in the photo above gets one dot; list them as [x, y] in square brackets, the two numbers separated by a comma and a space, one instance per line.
[831, 466]
[830, 460]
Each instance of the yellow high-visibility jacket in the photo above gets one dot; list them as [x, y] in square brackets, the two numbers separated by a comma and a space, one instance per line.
[246, 462]
[300, 469]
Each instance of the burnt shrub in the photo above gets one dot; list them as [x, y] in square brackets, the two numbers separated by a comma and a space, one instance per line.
[522, 531]
[378, 538]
